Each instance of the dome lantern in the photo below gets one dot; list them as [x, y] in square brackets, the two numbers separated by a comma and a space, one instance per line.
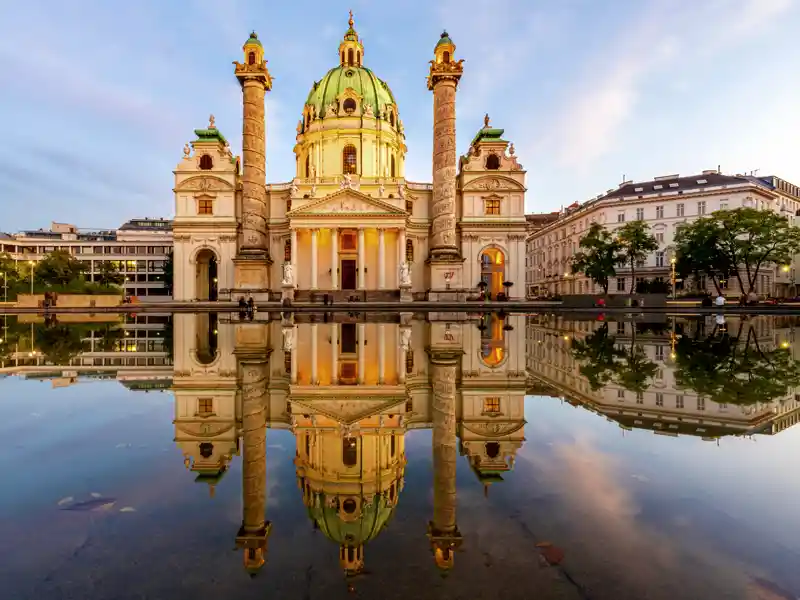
[351, 50]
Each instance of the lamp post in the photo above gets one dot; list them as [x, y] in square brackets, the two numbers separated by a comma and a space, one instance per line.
[31, 263]
[672, 262]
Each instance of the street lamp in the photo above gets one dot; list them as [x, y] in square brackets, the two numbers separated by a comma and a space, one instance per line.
[31, 263]
[672, 261]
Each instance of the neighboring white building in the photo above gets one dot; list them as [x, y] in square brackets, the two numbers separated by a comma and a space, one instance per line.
[664, 203]
[138, 248]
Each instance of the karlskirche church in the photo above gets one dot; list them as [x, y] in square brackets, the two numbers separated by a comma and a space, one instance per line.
[349, 224]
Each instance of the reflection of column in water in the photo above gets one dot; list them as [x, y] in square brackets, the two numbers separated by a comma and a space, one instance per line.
[443, 530]
[255, 528]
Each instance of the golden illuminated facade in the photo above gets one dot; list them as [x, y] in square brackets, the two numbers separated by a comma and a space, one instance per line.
[349, 224]
[349, 390]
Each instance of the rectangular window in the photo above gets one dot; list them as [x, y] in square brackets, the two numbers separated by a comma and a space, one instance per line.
[701, 207]
[639, 398]
[660, 258]
[621, 217]
[701, 404]
[640, 214]
[492, 206]
[660, 237]
[723, 206]
[621, 394]
[679, 209]
[620, 284]
[659, 399]
[205, 406]
[491, 405]
[620, 327]
[678, 401]
[205, 206]
[659, 212]
[660, 352]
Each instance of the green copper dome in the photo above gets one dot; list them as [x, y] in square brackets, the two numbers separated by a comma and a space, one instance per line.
[253, 39]
[373, 90]
[372, 520]
[445, 39]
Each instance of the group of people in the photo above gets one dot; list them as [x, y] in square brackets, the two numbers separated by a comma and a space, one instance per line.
[247, 308]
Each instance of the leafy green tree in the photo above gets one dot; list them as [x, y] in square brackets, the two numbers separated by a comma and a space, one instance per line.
[60, 344]
[753, 239]
[636, 243]
[109, 274]
[599, 356]
[169, 273]
[599, 256]
[698, 251]
[735, 369]
[59, 268]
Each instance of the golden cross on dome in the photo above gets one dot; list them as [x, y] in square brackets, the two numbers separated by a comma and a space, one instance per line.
[350, 21]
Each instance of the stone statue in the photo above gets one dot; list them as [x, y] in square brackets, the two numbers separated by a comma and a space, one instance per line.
[384, 113]
[288, 274]
[405, 274]
[381, 190]
[300, 126]
[313, 191]
[228, 150]
[368, 110]
[313, 112]
[401, 191]
[187, 150]
[405, 338]
[313, 172]
[511, 149]
[211, 122]
[486, 121]
[288, 339]
[400, 127]
[332, 110]
[347, 182]
[293, 188]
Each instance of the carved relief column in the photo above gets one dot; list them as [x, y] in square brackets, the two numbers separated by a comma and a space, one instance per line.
[255, 529]
[314, 259]
[443, 79]
[294, 249]
[253, 258]
[334, 259]
[443, 530]
[381, 353]
[381, 259]
[294, 355]
[361, 266]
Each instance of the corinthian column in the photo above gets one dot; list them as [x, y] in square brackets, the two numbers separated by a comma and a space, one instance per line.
[253, 533]
[442, 530]
[253, 257]
[443, 79]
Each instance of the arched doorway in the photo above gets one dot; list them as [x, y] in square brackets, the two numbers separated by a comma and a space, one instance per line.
[493, 341]
[206, 340]
[206, 275]
[493, 270]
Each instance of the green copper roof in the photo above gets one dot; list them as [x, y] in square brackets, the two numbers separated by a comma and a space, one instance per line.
[253, 39]
[350, 35]
[488, 135]
[373, 90]
[209, 135]
[445, 39]
[353, 533]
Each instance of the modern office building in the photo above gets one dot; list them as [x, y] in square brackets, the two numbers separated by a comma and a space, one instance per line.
[664, 203]
[138, 249]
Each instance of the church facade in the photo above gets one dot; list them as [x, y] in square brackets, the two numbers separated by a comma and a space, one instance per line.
[349, 223]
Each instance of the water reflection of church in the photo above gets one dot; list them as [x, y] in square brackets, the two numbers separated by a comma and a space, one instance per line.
[349, 388]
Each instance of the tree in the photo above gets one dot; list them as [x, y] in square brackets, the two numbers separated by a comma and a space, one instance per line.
[599, 257]
[752, 239]
[598, 355]
[169, 272]
[698, 251]
[109, 274]
[636, 243]
[59, 268]
[9, 275]
[60, 344]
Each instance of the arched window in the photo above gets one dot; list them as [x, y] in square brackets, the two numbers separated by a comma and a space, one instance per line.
[350, 57]
[492, 449]
[493, 162]
[358, 58]
[308, 165]
[445, 57]
[342, 56]
[287, 250]
[392, 168]
[349, 159]
[206, 449]
[349, 452]
[391, 119]
[349, 105]
[409, 251]
[251, 58]
[392, 446]
[410, 206]
[206, 162]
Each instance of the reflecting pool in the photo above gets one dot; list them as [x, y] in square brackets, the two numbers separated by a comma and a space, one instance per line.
[399, 456]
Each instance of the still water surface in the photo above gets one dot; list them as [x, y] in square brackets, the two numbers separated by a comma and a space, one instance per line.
[527, 457]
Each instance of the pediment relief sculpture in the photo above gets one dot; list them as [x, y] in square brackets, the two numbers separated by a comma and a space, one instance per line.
[204, 183]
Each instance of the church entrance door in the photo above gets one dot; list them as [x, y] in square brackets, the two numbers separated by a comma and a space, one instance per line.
[348, 274]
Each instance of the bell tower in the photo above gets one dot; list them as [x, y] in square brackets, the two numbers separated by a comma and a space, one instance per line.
[253, 260]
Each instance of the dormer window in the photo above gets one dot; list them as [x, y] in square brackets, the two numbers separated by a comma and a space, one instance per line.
[206, 163]
[349, 106]
[251, 58]
[493, 162]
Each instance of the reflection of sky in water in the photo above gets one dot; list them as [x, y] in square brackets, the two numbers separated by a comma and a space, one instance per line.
[638, 515]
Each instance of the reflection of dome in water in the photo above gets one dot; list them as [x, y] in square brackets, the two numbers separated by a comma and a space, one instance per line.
[364, 527]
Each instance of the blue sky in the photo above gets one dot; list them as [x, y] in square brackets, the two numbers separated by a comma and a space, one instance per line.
[98, 98]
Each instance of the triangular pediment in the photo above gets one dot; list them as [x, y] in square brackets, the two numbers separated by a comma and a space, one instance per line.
[348, 202]
[348, 411]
